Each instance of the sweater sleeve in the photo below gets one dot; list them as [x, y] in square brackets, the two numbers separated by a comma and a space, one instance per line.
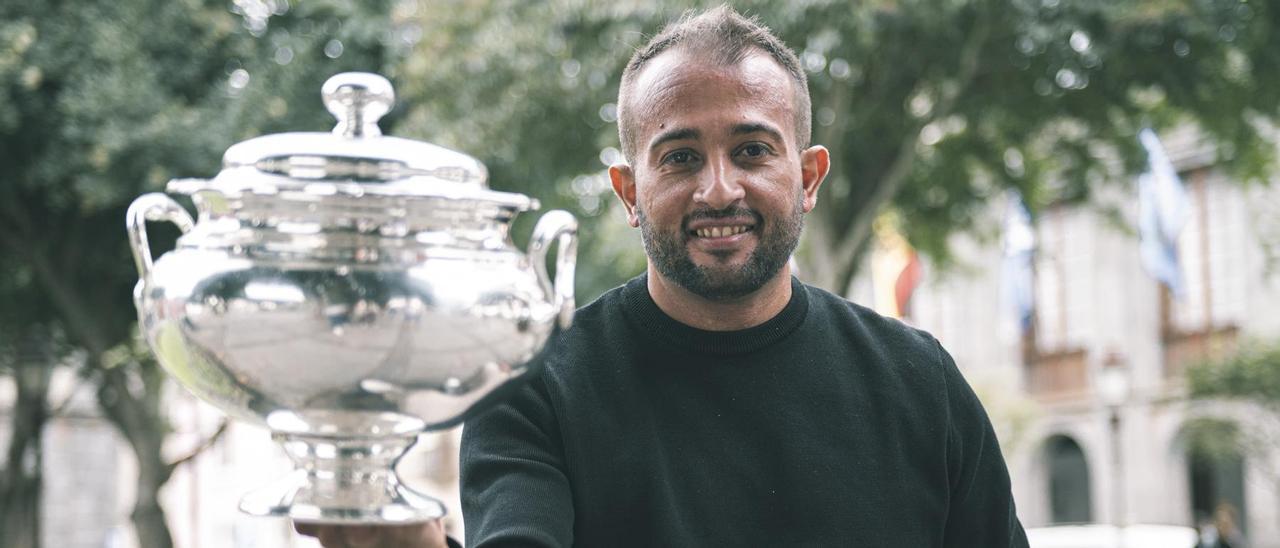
[514, 488]
[980, 509]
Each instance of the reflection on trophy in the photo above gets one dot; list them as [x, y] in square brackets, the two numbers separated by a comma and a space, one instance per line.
[349, 291]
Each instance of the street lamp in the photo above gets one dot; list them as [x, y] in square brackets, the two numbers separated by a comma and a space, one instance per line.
[1113, 390]
[1113, 382]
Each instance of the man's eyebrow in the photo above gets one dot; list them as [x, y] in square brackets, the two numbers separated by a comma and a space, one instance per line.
[755, 127]
[674, 135]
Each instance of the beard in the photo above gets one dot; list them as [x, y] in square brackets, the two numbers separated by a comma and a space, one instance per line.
[669, 253]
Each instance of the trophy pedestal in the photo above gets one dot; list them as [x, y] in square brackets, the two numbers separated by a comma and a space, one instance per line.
[343, 481]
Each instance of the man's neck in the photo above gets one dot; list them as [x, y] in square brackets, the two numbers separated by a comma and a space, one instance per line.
[721, 315]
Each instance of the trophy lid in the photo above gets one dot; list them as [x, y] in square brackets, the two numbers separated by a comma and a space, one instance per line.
[355, 159]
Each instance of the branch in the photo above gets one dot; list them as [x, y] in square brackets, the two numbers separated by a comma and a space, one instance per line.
[888, 187]
[76, 312]
[21, 222]
[832, 136]
[14, 236]
[853, 241]
[29, 415]
[206, 444]
[138, 423]
[73, 308]
[820, 264]
[58, 410]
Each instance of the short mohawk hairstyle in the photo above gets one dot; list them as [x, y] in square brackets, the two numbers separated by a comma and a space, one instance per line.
[722, 36]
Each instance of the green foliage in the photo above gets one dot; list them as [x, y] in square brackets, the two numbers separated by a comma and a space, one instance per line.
[103, 101]
[529, 90]
[94, 112]
[1213, 439]
[931, 108]
[1251, 377]
[1252, 374]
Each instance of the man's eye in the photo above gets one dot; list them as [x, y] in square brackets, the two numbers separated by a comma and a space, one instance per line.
[754, 150]
[679, 157]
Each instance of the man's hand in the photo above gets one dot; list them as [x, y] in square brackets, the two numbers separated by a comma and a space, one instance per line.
[428, 534]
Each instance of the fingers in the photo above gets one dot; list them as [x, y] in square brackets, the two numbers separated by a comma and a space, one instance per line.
[364, 536]
[338, 536]
[428, 534]
[422, 535]
[331, 536]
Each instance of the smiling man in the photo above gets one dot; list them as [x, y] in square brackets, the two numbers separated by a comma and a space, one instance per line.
[716, 400]
[720, 176]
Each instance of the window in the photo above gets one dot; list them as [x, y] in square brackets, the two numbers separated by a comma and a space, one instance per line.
[1053, 345]
[1069, 496]
[1211, 249]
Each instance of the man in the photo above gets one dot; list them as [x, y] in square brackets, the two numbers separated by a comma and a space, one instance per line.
[715, 400]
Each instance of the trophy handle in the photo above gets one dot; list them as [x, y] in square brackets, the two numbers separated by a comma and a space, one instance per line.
[152, 207]
[557, 225]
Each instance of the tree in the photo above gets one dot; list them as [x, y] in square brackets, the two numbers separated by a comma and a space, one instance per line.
[94, 113]
[929, 108]
[27, 362]
[1250, 376]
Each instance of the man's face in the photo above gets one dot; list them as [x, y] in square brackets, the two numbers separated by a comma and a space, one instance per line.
[717, 185]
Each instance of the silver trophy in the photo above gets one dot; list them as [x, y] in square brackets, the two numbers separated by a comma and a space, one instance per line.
[349, 291]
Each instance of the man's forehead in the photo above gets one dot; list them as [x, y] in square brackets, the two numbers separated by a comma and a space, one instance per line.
[755, 73]
[680, 76]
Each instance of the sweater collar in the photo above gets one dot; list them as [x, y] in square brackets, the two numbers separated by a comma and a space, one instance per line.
[645, 316]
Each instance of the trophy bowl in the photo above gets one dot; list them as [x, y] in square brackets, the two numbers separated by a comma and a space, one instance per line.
[349, 291]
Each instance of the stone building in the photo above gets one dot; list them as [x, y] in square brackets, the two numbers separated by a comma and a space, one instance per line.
[1089, 399]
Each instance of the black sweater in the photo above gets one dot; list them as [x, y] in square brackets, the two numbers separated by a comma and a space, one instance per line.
[828, 425]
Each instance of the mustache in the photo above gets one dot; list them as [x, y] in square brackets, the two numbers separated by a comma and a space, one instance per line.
[726, 213]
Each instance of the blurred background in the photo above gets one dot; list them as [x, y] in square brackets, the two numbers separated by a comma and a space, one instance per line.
[1078, 197]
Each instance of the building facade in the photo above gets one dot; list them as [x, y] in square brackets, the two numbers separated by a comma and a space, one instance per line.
[1089, 394]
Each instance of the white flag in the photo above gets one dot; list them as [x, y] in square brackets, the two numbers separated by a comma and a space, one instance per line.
[1017, 277]
[1162, 212]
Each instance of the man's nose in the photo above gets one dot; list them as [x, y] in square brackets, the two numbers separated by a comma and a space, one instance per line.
[721, 185]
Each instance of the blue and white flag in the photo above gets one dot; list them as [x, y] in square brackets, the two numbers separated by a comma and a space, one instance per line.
[1163, 209]
[1017, 274]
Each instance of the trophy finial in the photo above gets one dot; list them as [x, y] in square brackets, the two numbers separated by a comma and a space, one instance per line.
[358, 100]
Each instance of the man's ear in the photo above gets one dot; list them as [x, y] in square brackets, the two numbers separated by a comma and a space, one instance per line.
[815, 162]
[624, 185]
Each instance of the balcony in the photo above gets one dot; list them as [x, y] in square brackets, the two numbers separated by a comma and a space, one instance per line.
[1058, 375]
[1183, 349]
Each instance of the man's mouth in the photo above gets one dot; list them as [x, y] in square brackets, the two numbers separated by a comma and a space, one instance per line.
[721, 231]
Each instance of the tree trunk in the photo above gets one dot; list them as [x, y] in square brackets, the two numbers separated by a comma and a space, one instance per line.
[842, 235]
[150, 525]
[22, 481]
[133, 407]
[137, 416]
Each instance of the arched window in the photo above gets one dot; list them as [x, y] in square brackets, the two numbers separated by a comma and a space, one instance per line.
[1069, 496]
[1216, 470]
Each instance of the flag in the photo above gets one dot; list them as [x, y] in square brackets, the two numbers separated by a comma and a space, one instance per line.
[907, 282]
[895, 269]
[1163, 210]
[1017, 274]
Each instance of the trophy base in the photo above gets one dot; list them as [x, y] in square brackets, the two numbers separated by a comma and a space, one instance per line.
[343, 481]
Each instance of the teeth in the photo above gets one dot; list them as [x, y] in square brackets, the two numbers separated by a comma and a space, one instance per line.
[720, 231]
